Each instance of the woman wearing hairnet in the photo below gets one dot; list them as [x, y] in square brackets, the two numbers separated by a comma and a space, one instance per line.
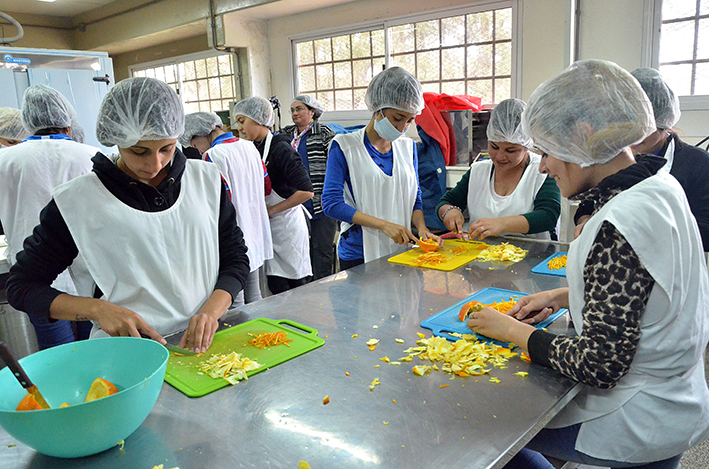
[30, 172]
[642, 325]
[241, 167]
[507, 193]
[371, 184]
[157, 232]
[11, 130]
[290, 184]
[311, 139]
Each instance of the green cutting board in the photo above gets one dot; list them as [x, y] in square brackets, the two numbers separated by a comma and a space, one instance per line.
[183, 373]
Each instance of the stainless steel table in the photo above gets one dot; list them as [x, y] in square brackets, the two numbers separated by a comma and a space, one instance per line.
[277, 418]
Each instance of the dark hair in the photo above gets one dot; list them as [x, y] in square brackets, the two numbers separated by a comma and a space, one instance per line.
[51, 131]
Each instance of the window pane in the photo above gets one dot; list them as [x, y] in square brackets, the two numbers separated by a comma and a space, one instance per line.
[323, 50]
[453, 31]
[402, 38]
[503, 24]
[324, 76]
[150, 72]
[138, 73]
[160, 73]
[703, 40]
[191, 107]
[480, 61]
[343, 100]
[480, 27]
[170, 76]
[307, 79]
[406, 61]
[453, 63]
[189, 90]
[431, 87]
[453, 87]
[701, 81]
[343, 75]
[326, 99]
[677, 41]
[341, 47]
[227, 87]
[362, 72]
[678, 77]
[202, 89]
[212, 67]
[187, 70]
[678, 9]
[214, 89]
[305, 53]
[704, 8]
[378, 42]
[204, 106]
[502, 89]
[361, 45]
[200, 69]
[359, 99]
[224, 64]
[503, 58]
[481, 89]
[428, 35]
[428, 65]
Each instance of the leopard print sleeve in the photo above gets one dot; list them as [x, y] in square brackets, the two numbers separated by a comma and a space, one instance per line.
[617, 288]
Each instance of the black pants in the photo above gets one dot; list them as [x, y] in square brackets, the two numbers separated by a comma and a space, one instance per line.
[344, 265]
[280, 284]
[322, 246]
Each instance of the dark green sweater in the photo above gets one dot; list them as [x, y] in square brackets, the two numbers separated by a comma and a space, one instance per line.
[547, 203]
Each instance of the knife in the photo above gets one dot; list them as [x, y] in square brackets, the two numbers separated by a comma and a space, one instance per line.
[178, 350]
[19, 373]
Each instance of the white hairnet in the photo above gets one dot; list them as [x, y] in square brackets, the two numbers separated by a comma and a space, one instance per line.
[11, 127]
[397, 89]
[506, 123]
[139, 109]
[44, 107]
[588, 114]
[665, 104]
[199, 124]
[312, 103]
[77, 132]
[257, 109]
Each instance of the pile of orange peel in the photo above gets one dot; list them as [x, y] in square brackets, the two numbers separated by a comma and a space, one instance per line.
[269, 339]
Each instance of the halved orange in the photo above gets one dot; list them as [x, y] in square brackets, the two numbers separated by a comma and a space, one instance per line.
[428, 245]
[469, 307]
[100, 388]
[28, 403]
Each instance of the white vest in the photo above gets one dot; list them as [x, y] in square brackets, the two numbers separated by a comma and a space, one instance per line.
[29, 172]
[661, 407]
[289, 232]
[390, 198]
[240, 165]
[484, 202]
[161, 265]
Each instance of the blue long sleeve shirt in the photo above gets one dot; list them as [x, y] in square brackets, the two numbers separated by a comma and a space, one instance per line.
[333, 199]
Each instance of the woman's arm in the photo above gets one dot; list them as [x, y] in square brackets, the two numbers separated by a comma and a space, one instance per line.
[294, 200]
[547, 207]
[336, 177]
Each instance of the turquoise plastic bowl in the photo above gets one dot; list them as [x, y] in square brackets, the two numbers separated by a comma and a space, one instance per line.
[64, 374]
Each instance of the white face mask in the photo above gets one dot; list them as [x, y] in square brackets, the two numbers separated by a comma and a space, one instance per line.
[386, 130]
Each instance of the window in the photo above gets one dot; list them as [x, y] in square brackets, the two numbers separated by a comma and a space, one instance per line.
[204, 83]
[468, 53]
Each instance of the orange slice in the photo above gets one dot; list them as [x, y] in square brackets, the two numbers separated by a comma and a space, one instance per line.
[28, 403]
[100, 388]
[64, 404]
[469, 307]
[428, 245]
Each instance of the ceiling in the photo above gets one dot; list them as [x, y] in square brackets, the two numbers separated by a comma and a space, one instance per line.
[66, 8]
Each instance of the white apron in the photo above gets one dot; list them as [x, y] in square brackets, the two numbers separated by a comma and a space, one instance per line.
[390, 198]
[238, 161]
[661, 407]
[669, 155]
[484, 202]
[30, 171]
[289, 232]
[161, 265]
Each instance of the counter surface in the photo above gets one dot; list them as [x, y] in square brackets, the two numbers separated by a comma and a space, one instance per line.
[277, 418]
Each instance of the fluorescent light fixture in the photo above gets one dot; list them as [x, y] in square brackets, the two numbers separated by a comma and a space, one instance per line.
[47, 1]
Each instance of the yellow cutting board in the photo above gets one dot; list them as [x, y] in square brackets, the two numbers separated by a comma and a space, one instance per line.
[457, 252]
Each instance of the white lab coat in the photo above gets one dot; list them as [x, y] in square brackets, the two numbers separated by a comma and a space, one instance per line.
[661, 407]
[29, 172]
[390, 198]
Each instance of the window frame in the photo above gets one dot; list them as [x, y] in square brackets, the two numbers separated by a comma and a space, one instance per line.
[386, 24]
[187, 58]
[651, 53]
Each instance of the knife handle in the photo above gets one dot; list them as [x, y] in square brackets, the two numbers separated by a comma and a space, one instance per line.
[17, 370]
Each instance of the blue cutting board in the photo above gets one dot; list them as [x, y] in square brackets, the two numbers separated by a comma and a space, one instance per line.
[446, 321]
[543, 268]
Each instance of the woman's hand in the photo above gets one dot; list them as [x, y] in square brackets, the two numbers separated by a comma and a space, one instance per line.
[200, 332]
[425, 234]
[535, 308]
[398, 233]
[118, 321]
[492, 323]
[487, 227]
[453, 220]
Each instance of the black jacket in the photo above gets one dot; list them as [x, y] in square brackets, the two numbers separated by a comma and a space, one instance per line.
[51, 248]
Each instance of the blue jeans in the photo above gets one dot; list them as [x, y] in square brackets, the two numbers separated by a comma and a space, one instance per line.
[51, 334]
[559, 443]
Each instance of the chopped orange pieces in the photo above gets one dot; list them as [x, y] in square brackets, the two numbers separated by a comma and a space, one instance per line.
[443, 386]
[28, 403]
[326, 400]
[99, 389]
[558, 262]
[269, 339]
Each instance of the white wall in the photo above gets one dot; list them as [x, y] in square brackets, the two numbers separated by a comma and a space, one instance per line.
[252, 35]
